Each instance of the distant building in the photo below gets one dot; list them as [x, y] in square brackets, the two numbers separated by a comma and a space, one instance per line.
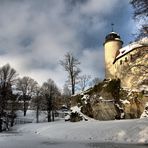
[129, 63]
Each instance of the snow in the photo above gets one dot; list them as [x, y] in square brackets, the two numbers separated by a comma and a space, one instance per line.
[116, 131]
[123, 51]
[145, 112]
[31, 115]
[76, 109]
[85, 98]
[143, 41]
[144, 87]
[130, 47]
[125, 101]
[119, 131]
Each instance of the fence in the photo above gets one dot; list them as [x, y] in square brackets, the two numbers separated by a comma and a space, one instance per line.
[22, 120]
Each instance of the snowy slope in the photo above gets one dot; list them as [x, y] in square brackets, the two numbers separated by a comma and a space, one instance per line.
[125, 131]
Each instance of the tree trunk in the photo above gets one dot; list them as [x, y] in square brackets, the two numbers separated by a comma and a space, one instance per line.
[24, 108]
[52, 115]
[37, 114]
[49, 116]
[72, 85]
[1, 122]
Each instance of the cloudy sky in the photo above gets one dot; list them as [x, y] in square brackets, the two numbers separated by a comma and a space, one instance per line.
[36, 34]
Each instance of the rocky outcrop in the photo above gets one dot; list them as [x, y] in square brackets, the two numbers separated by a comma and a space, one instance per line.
[99, 104]
[135, 107]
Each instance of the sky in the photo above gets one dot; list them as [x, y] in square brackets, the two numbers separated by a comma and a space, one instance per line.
[36, 34]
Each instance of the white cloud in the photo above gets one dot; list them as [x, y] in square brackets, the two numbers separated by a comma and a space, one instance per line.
[101, 6]
[93, 59]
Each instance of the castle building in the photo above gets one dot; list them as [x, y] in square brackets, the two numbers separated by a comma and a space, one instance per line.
[129, 63]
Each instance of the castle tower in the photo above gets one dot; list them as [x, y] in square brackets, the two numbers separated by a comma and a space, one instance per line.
[111, 45]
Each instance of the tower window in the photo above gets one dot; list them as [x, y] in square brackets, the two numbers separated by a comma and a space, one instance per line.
[126, 59]
[131, 57]
[120, 62]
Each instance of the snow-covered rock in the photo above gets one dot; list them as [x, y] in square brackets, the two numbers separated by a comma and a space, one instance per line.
[77, 111]
[85, 98]
[145, 112]
[125, 101]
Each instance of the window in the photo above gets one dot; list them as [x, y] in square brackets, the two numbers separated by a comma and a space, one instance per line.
[126, 60]
[131, 57]
[120, 62]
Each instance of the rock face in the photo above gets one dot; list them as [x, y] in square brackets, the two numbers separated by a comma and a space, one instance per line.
[104, 111]
[136, 105]
[97, 103]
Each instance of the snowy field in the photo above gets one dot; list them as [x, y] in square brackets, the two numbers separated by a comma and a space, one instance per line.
[84, 134]
[119, 131]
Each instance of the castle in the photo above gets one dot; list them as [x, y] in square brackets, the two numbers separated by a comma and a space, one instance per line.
[129, 63]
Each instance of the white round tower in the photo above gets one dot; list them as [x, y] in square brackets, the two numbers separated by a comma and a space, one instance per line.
[111, 45]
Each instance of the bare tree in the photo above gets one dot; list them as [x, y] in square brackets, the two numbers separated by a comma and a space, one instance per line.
[50, 92]
[84, 81]
[37, 102]
[95, 81]
[26, 86]
[70, 64]
[7, 78]
[141, 13]
[66, 95]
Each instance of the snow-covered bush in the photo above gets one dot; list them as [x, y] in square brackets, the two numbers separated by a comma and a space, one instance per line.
[75, 117]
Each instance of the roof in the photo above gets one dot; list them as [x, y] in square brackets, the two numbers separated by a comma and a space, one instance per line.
[123, 51]
[112, 36]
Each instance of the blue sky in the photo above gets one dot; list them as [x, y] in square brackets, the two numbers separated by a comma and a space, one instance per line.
[36, 34]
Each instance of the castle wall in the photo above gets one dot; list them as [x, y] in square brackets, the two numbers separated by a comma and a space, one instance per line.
[129, 68]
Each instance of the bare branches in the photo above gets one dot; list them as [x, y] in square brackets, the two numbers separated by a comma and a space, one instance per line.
[70, 64]
[50, 92]
[84, 81]
[7, 78]
[8, 74]
[141, 8]
[141, 13]
[27, 87]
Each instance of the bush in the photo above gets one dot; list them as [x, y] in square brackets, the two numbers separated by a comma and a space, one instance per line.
[75, 117]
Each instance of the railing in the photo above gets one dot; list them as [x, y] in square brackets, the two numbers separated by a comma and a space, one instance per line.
[22, 120]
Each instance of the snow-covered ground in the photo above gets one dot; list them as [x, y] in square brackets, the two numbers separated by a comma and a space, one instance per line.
[122, 131]
[91, 131]
[31, 115]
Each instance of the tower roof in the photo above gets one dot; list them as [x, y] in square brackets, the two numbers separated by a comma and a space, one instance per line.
[113, 36]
